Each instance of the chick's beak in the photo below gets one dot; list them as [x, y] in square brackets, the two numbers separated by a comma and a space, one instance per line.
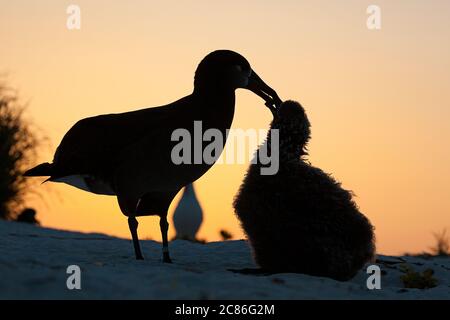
[258, 86]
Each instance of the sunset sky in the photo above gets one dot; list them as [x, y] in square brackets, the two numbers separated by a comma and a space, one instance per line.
[378, 100]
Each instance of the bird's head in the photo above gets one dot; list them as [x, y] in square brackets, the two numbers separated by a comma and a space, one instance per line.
[228, 70]
[294, 128]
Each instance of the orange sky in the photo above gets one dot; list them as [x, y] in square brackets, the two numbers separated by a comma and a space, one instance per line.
[379, 101]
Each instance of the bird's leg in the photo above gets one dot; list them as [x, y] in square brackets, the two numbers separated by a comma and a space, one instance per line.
[133, 224]
[164, 225]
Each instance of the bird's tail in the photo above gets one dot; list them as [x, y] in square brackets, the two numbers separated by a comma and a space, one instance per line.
[44, 169]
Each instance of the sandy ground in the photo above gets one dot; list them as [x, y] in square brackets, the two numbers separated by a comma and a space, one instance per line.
[34, 261]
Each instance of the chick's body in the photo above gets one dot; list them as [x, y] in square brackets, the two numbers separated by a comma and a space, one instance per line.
[301, 219]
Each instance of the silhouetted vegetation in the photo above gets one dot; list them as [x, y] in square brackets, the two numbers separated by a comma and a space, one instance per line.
[17, 152]
[440, 249]
[417, 280]
[442, 246]
[28, 215]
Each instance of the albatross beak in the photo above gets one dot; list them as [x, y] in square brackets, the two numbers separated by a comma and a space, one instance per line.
[258, 86]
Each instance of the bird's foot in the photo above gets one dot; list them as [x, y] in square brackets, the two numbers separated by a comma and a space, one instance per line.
[166, 258]
[140, 257]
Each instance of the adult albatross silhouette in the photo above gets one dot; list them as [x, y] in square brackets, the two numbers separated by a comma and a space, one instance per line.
[129, 154]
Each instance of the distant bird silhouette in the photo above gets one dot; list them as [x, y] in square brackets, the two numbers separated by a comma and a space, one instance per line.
[188, 215]
[225, 235]
[129, 154]
[301, 219]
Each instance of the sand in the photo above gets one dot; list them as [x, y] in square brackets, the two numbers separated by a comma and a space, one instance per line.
[34, 261]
